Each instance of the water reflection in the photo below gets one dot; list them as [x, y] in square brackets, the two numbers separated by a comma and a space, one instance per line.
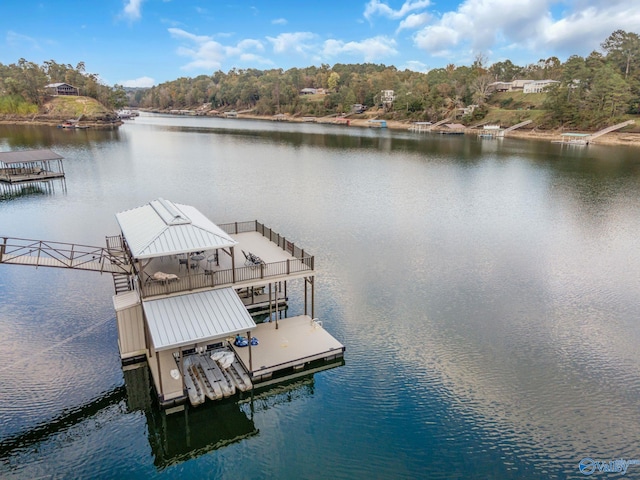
[486, 291]
[14, 191]
[183, 435]
[173, 437]
[22, 137]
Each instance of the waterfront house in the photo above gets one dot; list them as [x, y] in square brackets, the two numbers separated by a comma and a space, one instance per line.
[538, 86]
[61, 89]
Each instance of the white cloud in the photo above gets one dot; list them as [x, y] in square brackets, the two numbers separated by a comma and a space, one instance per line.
[133, 9]
[586, 28]
[207, 54]
[371, 49]
[142, 82]
[279, 21]
[415, 66]
[527, 25]
[292, 42]
[376, 7]
[243, 46]
[481, 23]
[251, 58]
[413, 21]
[18, 40]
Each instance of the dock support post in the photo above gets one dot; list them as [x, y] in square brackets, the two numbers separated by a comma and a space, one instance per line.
[313, 298]
[250, 354]
[276, 288]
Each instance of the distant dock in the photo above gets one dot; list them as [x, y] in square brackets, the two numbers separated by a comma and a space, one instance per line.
[30, 166]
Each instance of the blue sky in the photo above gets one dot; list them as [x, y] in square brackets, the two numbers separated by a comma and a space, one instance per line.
[147, 42]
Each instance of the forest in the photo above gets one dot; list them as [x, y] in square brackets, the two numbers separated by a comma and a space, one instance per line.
[590, 91]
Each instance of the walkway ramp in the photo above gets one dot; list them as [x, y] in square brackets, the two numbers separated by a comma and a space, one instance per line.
[42, 253]
[441, 122]
[514, 127]
[604, 131]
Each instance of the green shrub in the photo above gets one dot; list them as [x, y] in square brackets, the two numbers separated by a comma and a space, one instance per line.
[16, 105]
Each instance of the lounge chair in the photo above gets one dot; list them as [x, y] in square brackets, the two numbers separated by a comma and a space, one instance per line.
[162, 277]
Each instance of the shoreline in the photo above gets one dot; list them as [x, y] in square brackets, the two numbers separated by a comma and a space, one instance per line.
[612, 138]
[629, 139]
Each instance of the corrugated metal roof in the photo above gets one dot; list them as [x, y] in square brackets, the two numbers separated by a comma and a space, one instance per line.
[164, 228]
[197, 317]
[22, 156]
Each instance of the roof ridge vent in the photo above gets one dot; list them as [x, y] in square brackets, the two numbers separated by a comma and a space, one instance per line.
[169, 213]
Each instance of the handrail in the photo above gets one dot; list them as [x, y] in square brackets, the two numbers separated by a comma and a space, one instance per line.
[65, 255]
[222, 278]
[255, 226]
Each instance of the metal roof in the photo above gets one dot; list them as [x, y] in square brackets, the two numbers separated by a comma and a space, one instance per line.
[197, 317]
[24, 156]
[165, 228]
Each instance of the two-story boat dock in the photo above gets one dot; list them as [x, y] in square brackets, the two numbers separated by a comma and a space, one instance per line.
[184, 290]
[192, 285]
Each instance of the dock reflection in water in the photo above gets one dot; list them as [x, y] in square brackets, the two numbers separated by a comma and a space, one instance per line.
[190, 432]
[173, 437]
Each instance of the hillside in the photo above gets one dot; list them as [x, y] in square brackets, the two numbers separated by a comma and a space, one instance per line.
[55, 110]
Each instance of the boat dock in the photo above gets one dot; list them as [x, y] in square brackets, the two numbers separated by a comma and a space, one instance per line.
[221, 370]
[583, 139]
[185, 288]
[287, 344]
[29, 166]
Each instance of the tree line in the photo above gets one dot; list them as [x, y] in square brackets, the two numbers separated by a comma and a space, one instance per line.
[590, 91]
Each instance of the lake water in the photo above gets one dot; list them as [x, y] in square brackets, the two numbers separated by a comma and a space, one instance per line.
[487, 293]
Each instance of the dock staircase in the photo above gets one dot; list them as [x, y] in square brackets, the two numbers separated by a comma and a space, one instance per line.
[122, 282]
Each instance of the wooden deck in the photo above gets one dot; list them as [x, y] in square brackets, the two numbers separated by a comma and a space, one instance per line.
[8, 177]
[279, 265]
[296, 342]
[289, 349]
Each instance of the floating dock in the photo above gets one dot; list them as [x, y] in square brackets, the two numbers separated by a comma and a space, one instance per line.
[30, 166]
[184, 291]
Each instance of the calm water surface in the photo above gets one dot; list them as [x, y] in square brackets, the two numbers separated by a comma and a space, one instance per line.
[487, 293]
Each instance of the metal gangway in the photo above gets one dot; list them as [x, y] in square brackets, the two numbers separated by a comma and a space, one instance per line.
[43, 253]
[604, 131]
[502, 133]
[437, 124]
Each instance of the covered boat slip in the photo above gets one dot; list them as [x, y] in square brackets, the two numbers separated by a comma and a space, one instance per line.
[194, 323]
[188, 273]
[29, 166]
[203, 324]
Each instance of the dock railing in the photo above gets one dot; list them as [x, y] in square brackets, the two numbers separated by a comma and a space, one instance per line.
[21, 251]
[282, 242]
[300, 263]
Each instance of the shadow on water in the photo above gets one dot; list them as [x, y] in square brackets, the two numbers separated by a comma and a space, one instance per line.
[179, 436]
[183, 435]
[45, 136]
[62, 422]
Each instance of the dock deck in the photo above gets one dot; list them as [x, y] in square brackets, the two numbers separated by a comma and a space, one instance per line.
[296, 342]
[291, 347]
[279, 265]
